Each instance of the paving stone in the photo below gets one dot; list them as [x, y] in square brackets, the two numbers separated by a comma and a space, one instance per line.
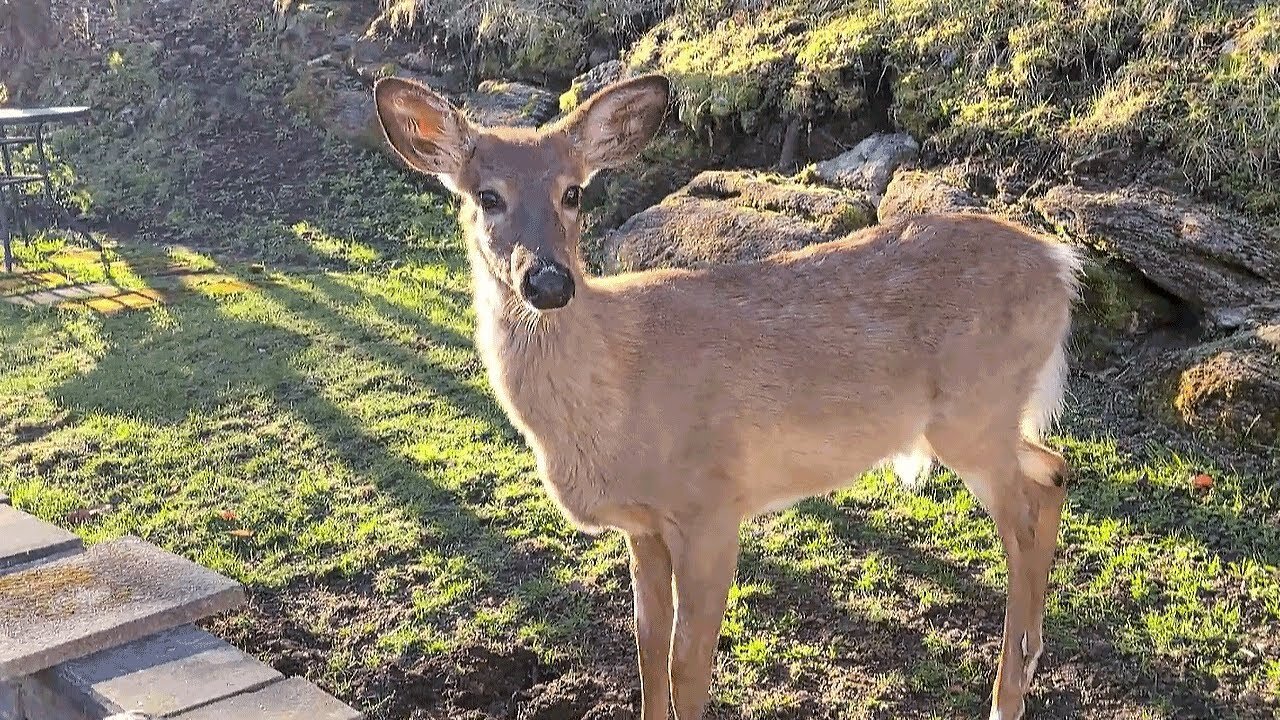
[25, 539]
[41, 702]
[114, 593]
[292, 699]
[162, 674]
[10, 701]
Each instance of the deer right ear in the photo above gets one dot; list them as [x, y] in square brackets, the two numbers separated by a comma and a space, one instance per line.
[423, 128]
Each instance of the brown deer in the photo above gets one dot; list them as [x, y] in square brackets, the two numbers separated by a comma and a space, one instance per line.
[674, 404]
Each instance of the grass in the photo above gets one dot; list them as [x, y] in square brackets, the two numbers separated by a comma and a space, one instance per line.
[343, 418]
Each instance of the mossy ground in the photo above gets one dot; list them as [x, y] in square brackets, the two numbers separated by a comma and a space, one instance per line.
[1194, 81]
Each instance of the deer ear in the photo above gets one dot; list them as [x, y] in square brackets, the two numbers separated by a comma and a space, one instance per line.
[613, 126]
[423, 128]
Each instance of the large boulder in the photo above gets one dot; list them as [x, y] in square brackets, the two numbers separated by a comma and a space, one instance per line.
[1218, 263]
[915, 192]
[497, 102]
[870, 165]
[724, 216]
[592, 82]
[1230, 386]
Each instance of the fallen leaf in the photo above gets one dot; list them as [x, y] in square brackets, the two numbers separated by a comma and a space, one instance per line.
[241, 533]
[228, 515]
[1202, 482]
[365, 491]
[84, 515]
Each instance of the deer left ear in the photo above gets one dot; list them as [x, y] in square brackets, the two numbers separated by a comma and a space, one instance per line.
[614, 125]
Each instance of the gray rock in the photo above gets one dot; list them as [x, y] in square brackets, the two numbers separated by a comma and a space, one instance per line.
[1213, 260]
[914, 192]
[1230, 386]
[591, 82]
[726, 216]
[870, 165]
[497, 102]
[350, 114]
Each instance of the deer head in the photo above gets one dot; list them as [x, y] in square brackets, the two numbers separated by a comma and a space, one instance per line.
[520, 187]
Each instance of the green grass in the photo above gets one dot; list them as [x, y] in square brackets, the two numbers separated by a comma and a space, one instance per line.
[345, 420]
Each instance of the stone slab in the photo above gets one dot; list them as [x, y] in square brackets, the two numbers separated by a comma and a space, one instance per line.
[34, 701]
[292, 699]
[10, 701]
[114, 593]
[162, 674]
[25, 539]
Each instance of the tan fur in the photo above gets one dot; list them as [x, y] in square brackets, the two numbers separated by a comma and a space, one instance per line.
[674, 404]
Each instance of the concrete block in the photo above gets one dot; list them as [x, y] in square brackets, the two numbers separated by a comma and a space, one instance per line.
[10, 702]
[292, 699]
[40, 702]
[162, 674]
[25, 539]
[114, 593]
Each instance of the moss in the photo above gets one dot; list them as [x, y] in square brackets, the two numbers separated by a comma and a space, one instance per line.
[1194, 80]
[569, 99]
[728, 73]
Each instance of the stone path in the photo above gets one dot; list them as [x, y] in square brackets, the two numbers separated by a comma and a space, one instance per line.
[106, 632]
[163, 279]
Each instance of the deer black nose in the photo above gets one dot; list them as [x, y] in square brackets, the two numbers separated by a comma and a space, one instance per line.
[547, 285]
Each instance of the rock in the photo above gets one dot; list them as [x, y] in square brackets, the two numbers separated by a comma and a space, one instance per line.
[497, 102]
[914, 192]
[350, 115]
[1231, 386]
[870, 164]
[1214, 261]
[731, 216]
[591, 82]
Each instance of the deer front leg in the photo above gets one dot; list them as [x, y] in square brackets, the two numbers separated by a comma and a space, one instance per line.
[651, 587]
[704, 560]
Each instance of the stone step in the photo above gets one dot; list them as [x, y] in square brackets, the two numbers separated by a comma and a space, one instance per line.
[114, 593]
[292, 699]
[25, 540]
[163, 674]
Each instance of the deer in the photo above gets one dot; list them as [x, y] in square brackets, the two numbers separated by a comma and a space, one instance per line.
[674, 405]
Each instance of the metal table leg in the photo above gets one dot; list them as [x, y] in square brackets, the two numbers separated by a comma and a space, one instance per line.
[10, 194]
[44, 165]
[4, 235]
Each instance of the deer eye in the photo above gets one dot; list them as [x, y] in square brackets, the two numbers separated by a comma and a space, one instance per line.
[572, 197]
[490, 201]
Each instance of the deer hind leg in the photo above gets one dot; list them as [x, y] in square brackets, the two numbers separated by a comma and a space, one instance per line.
[1007, 475]
[1049, 473]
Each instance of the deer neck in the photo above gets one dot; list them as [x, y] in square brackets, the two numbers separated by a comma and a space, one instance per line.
[550, 371]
